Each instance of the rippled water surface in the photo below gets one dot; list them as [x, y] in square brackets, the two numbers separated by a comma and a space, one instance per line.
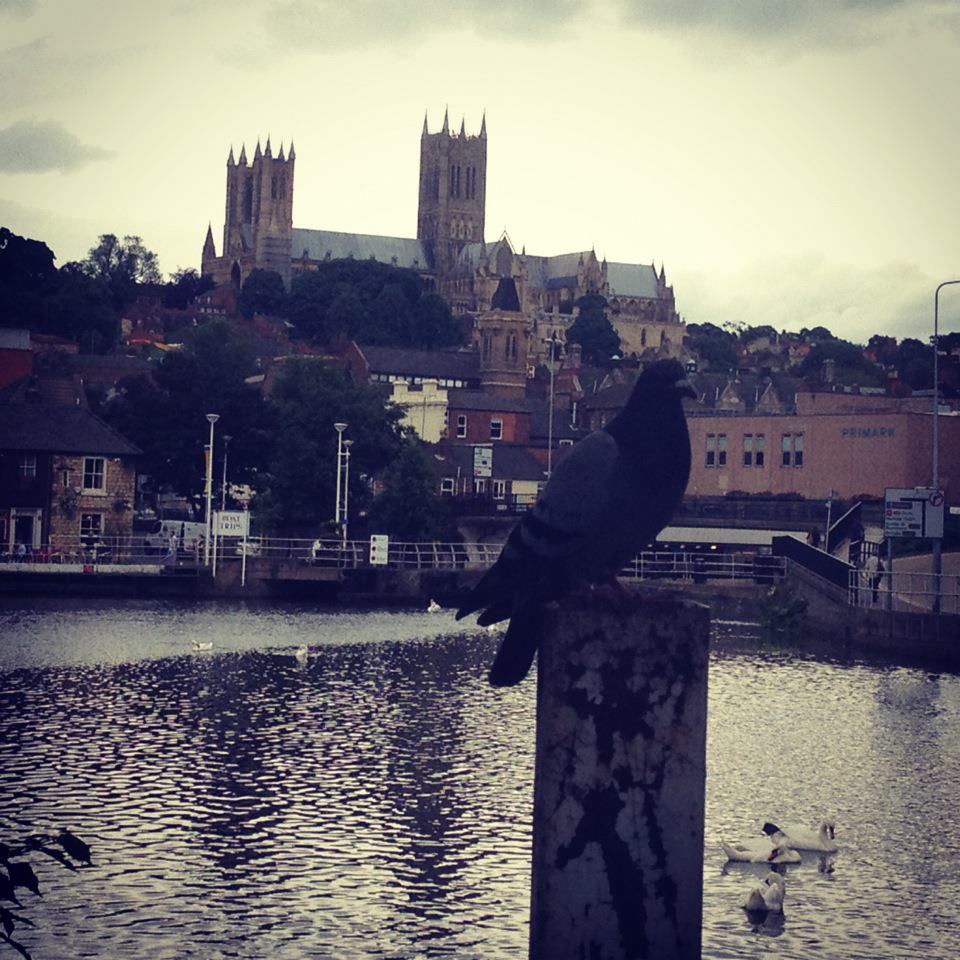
[375, 801]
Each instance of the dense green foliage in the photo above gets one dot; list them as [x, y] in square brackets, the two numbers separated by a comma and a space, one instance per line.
[593, 330]
[409, 508]
[262, 292]
[715, 347]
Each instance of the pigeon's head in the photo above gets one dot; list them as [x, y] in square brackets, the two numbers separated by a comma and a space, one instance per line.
[664, 379]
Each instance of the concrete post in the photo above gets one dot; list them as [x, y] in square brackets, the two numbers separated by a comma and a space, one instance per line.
[619, 783]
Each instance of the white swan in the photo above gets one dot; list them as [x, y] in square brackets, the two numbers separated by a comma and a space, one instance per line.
[759, 851]
[434, 607]
[202, 645]
[796, 836]
[302, 653]
[767, 897]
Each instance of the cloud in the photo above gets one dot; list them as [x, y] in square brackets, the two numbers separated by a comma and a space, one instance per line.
[38, 146]
[793, 23]
[338, 25]
[18, 8]
[894, 299]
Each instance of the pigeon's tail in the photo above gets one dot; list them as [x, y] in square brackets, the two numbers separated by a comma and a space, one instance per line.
[519, 646]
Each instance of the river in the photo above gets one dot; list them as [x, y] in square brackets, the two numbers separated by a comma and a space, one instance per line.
[375, 800]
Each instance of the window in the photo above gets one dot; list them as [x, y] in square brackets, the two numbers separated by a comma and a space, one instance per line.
[446, 487]
[716, 450]
[748, 449]
[27, 467]
[480, 485]
[496, 428]
[91, 526]
[791, 447]
[711, 460]
[721, 449]
[499, 489]
[94, 474]
[461, 425]
[759, 445]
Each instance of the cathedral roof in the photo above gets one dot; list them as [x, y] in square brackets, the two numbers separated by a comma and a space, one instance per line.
[632, 280]
[331, 245]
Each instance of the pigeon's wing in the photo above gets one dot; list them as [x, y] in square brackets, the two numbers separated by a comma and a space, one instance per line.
[562, 521]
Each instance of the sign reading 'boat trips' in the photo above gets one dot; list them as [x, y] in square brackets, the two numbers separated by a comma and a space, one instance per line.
[232, 523]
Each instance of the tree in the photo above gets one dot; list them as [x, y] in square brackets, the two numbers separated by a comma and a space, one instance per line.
[262, 292]
[185, 285]
[122, 265]
[914, 360]
[409, 508]
[593, 330]
[434, 325]
[714, 347]
[24, 264]
[850, 366]
[297, 491]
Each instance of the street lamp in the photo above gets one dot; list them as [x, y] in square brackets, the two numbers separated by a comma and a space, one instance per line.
[212, 418]
[935, 481]
[346, 486]
[339, 427]
[553, 340]
[223, 490]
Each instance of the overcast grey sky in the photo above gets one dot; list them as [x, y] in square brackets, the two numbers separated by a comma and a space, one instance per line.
[792, 162]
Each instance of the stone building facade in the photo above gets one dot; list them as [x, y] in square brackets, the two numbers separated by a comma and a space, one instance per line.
[449, 251]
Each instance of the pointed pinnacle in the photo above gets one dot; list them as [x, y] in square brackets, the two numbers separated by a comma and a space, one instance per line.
[425, 132]
[230, 161]
[292, 154]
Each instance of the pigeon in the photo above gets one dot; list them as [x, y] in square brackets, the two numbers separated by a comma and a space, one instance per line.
[613, 493]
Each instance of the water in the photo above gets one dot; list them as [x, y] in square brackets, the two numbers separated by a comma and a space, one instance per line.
[375, 801]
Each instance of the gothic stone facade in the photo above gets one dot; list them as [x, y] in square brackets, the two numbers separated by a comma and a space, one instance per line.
[449, 250]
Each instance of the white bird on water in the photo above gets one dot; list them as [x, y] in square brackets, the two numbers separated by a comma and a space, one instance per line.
[796, 836]
[199, 645]
[302, 653]
[767, 897]
[759, 851]
[434, 607]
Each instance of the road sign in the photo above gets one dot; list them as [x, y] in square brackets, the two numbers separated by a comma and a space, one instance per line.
[232, 523]
[379, 549]
[913, 512]
[483, 461]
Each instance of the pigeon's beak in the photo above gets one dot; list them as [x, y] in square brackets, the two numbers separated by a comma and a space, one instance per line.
[685, 389]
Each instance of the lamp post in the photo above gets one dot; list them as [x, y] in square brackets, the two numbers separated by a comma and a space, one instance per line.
[553, 341]
[223, 489]
[935, 480]
[347, 444]
[339, 427]
[826, 539]
[212, 418]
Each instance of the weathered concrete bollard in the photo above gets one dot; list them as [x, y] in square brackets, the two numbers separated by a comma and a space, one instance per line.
[619, 783]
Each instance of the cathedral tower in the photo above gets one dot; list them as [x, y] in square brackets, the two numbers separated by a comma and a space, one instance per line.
[453, 186]
[258, 223]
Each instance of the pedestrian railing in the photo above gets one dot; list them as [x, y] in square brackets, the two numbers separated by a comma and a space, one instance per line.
[909, 592]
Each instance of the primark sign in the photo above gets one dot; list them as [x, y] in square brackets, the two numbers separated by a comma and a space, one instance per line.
[853, 433]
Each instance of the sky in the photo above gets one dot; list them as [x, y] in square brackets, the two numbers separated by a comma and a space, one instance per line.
[789, 162]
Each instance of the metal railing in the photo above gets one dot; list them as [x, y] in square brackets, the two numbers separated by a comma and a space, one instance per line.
[908, 592]
[700, 567]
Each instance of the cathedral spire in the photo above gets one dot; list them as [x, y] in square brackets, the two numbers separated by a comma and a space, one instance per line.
[243, 154]
[209, 250]
[446, 122]
[258, 153]
[230, 161]
[425, 132]
[463, 126]
[268, 152]
[292, 154]
[483, 126]
[280, 154]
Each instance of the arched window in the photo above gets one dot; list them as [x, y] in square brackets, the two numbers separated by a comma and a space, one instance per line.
[247, 201]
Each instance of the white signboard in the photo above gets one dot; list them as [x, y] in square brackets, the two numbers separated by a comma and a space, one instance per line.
[482, 461]
[913, 512]
[232, 523]
[379, 545]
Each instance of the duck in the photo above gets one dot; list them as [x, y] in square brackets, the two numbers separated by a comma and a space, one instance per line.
[767, 897]
[202, 645]
[302, 653]
[759, 851]
[433, 607]
[796, 836]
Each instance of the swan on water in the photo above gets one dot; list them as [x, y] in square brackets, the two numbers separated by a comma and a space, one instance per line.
[302, 653]
[202, 644]
[796, 836]
[767, 897]
[434, 607]
[759, 851]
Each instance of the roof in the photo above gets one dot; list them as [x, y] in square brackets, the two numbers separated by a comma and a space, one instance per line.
[510, 461]
[442, 364]
[632, 280]
[330, 245]
[563, 429]
[493, 402]
[14, 338]
[54, 428]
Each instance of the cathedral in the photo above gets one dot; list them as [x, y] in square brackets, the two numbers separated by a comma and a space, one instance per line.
[450, 251]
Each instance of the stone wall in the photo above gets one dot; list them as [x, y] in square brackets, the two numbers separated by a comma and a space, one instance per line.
[68, 500]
